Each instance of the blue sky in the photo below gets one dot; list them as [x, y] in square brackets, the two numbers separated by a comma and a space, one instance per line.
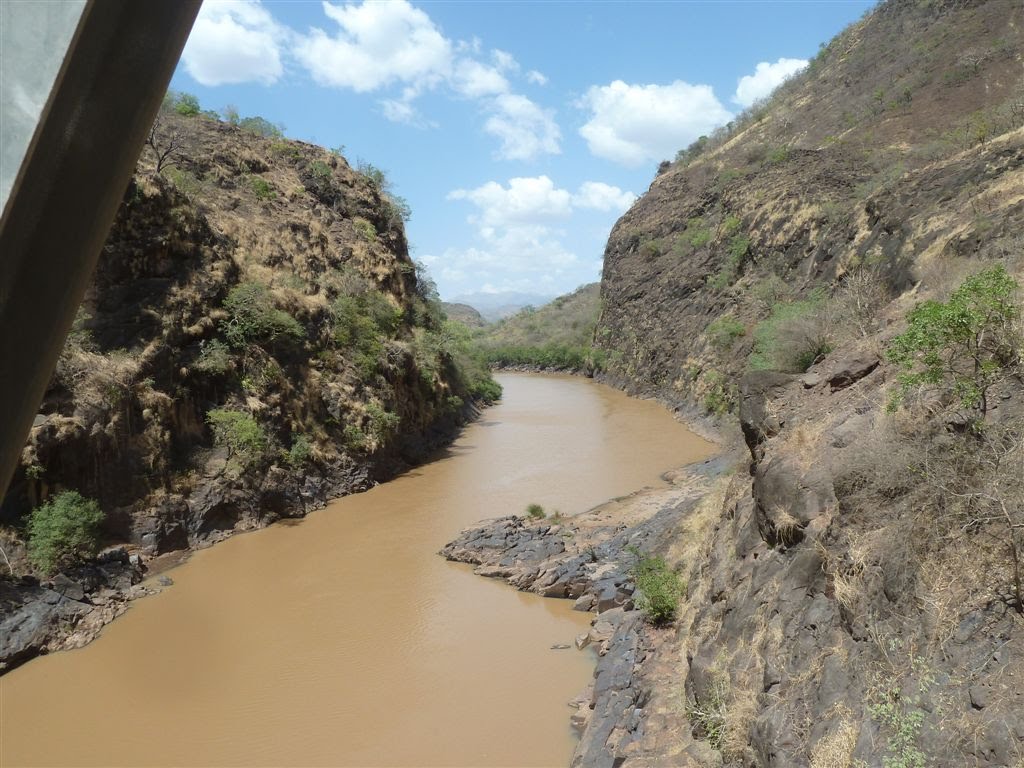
[518, 132]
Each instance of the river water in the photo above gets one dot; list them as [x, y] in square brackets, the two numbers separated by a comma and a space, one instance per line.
[345, 639]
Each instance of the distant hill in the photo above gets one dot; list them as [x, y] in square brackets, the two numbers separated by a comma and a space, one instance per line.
[464, 313]
[557, 335]
[497, 306]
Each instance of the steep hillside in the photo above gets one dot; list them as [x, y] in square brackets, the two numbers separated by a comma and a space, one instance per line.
[840, 268]
[891, 162]
[464, 314]
[556, 336]
[255, 341]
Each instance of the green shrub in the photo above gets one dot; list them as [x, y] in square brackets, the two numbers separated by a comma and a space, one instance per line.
[261, 188]
[692, 152]
[239, 433]
[365, 228]
[63, 530]
[535, 511]
[485, 388]
[697, 233]
[650, 249]
[549, 356]
[214, 358]
[721, 395]
[770, 291]
[254, 318]
[359, 323]
[355, 439]
[320, 170]
[794, 337]
[964, 345]
[299, 453]
[777, 156]
[259, 126]
[184, 181]
[724, 331]
[184, 103]
[731, 225]
[383, 423]
[659, 589]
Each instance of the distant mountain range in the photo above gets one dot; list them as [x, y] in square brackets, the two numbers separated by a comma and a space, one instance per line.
[497, 306]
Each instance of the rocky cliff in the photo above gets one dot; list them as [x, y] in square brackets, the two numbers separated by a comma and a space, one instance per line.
[853, 589]
[255, 341]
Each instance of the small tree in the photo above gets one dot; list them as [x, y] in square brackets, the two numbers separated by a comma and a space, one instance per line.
[239, 433]
[254, 318]
[166, 145]
[63, 530]
[966, 344]
[186, 104]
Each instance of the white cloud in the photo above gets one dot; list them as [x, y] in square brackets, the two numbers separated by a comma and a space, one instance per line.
[376, 45]
[474, 80]
[537, 78]
[525, 129]
[403, 111]
[519, 245]
[521, 235]
[234, 41]
[504, 61]
[525, 201]
[602, 197]
[766, 78]
[635, 124]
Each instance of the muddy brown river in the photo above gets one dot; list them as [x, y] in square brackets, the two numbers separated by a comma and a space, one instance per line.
[345, 639]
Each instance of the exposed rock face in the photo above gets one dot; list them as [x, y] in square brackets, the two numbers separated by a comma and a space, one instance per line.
[835, 616]
[36, 618]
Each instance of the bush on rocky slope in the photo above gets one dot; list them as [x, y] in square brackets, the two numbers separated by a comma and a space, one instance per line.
[63, 530]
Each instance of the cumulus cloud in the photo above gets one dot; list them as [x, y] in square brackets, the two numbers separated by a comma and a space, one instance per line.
[636, 124]
[234, 41]
[376, 45]
[766, 78]
[504, 61]
[521, 233]
[475, 80]
[602, 197]
[525, 201]
[537, 78]
[524, 129]
[520, 260]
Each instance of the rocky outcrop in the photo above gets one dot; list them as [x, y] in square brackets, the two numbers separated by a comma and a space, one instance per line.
[588, 558]
[68, 610]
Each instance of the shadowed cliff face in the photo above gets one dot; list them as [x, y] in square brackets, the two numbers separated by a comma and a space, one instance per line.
[258, 279]
[848, 604]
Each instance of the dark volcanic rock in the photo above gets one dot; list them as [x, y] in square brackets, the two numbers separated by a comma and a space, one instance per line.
[852, 369]
[758, 422]
[29, 616]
